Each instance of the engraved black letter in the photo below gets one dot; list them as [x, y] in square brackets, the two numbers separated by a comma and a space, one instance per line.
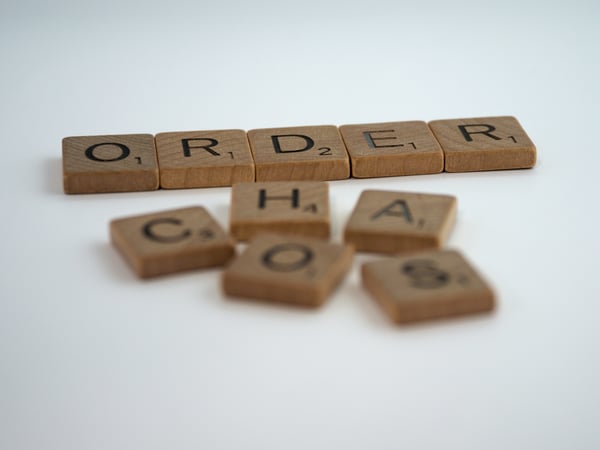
[424, 274]
[277, 145]
[186, 146]
[89, 153]
[371, 140]
[286, 264]
[389, 210]
[262, 198]
[149, 233]
[488, 131]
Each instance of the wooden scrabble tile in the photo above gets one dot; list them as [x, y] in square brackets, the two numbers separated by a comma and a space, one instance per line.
[298, 207]
[171, 241]
[117, 163]
[392, 149]
[427, 285]
[194, 159]
[485, 143]
[286, 268]
[299, 153]
[394, 222]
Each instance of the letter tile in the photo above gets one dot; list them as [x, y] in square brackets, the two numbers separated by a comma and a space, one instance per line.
[485, 143]
[171, 241]
[289, 269]
[395, 222]
[297, 207]
[392, 149]
[110, 163]
[194, 159]
[299, 153]
[427, 285]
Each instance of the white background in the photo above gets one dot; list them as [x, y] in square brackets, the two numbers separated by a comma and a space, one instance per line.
[92, 358]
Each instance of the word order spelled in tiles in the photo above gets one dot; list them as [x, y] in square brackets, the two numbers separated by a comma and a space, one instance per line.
[204, 158]
[291, 269]
[171, 241]
[112, 163]
[298, 207]
[392, 149]
[299, 153]
[394, 222]
[488, 143]
[427, 285]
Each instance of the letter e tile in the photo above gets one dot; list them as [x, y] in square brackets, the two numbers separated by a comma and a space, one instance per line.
[392, 149]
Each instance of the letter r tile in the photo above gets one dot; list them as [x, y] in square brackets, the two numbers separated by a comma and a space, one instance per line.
[192, 159]
[484, 143]
[299, 153]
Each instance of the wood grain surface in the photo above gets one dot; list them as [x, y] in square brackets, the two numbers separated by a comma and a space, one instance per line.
[297, 207]
[109, 163]
[395, 222]
[171, 241]
[427, 285]
[299, 153]
[288, 269]
[194, 159]
[392, 149]
[484, 143]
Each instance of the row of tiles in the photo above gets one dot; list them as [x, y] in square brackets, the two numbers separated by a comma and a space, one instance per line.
[175, 160]
[387, 222]
[304, 268]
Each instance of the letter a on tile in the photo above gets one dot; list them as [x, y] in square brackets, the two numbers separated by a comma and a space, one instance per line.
[396, 222]
[398, 208]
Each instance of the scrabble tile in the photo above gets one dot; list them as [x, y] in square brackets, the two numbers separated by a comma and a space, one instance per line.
[194, 159]
[171, 241]
[427, 285]
[299, 153]
[395, 222]
[117, 163]
[286, 268]
[484, 143]
[392, 149]
[299, 207]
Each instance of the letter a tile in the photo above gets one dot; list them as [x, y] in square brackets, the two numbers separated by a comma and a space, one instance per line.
[485, 143]
[297, 207]
[427, 285]
[290, 269]
[194, 159]
[171, 241]
[392, 149]
[114, 163]
[395, 222]
[299, 153]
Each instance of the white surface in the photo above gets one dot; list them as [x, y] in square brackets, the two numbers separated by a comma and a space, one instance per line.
[92, 358]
